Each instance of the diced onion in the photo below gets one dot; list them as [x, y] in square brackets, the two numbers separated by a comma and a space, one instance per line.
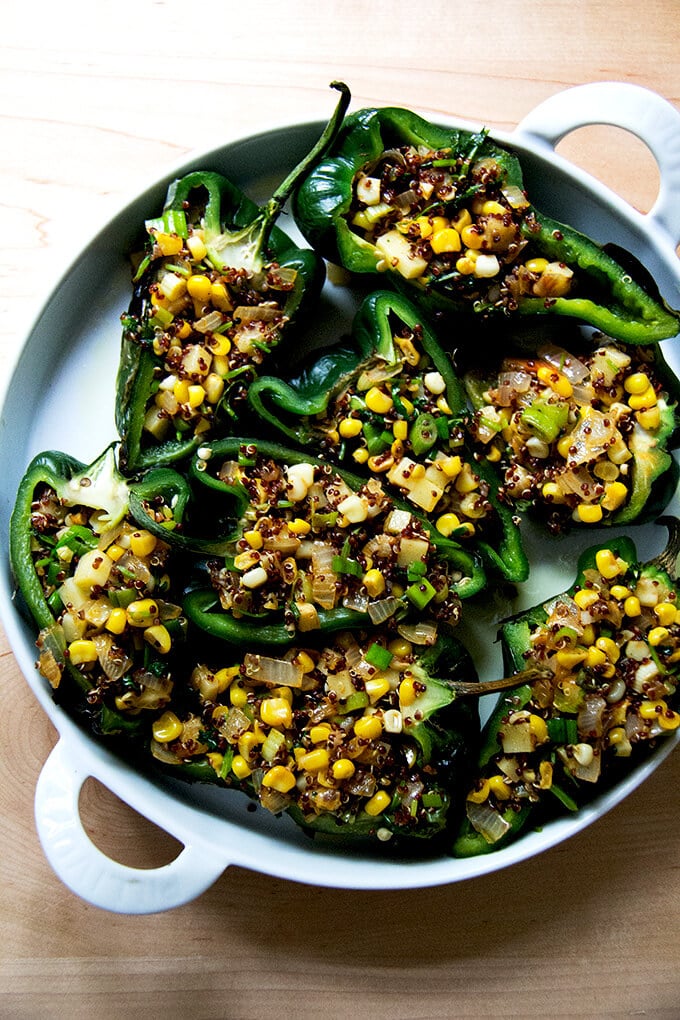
[278, 672]
[383, 610]
[421, 633]
[487, 821]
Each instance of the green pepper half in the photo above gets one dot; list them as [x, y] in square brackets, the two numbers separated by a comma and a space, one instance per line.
[442, 213]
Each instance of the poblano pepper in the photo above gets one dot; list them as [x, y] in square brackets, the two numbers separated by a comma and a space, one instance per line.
[611, 644]
[316, 548]
[579, 435]
[218, 288]
[442, 214]
[390, 403]
[361, 737]
[90, 558]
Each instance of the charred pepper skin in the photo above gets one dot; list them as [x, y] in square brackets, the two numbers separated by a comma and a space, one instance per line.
[239, 235]
[99, 486]
[292, 406]
[516, 643]
[201, 604]
[444, 741]
[618, 305]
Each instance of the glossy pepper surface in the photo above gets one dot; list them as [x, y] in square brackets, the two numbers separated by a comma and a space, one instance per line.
[359, 737]
[219, 286]
[389, 403]
[317, 548]
[442, 213]
[90, 557]
[611, 646]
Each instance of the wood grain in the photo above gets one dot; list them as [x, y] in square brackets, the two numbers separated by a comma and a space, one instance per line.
[93, 105]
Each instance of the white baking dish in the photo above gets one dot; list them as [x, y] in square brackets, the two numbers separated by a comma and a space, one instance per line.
[61, 395]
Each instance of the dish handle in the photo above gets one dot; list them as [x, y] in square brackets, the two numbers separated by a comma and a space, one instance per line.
[88, 872]
[644, 113]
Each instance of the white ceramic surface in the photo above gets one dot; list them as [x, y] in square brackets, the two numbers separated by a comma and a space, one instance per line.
[61, 395]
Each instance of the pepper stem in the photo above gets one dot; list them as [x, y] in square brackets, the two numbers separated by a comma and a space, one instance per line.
[525, 676]
[669, 559]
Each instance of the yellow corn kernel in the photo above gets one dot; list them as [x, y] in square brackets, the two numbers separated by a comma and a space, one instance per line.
[343, 768]
[184, 331]
[615, 495]
[451, 466]
[247, 743]
[607, 563]
[216, 760]
[641, 401]
[240, 767]
[463, 219]
[199, 287]
[238, 696]
[447, 240]
[142, 543]
[378, 401]
[407, 691]
[381, 462]
[377, 803]
[276, 712]
[657, 636]
[320, 733]
[616, 735]
[376, 688]
[588, 636]
[360, 455]
[213, 384]
[556, 380]
[220, 346]
[197, 247]
[223, 677]
[466, 481]
[368, 727]
[666, 613]
[196, 395]
[299, 527]
[537, 265]
[652, 709]
[595, 657]
[669, 720]
[609, 647]
[447, 523]
[283, 692]
[142, 613]
[279, 778]
[570, 657]
[538, 727]
[374, 582]
[424, 226]
[550, 490]
[563, 446]
[167, 728]
[169, 244]
[349, 428]
[636, 383]
[589, 513]
[116, 621]
[180, 391]
[400, 430]
[499, 787]
[400, 648]
[82, 651]
[114, 552]
[159, 638]
[219, 295]
[631, 606]
[465, 266]
[493, 455]
[479, 793]
[472, 237]
[619, 591]
[586, 597]
[649, 419]
[304, 661]
[254, 539]
[314, 761]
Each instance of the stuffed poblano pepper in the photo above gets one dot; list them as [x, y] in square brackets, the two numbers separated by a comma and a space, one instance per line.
[218, 287]
[361, 736]
[611, 644]
[316, 548]
[390, 403]
[580, 436]
[443, 214]
[91, 561]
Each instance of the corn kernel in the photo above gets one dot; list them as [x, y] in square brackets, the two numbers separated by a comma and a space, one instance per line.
[494, 455]
[213, 384]
[197, 247]
[465, 266]
[589, 513]
[378, 401]
[609, 647]
[199, 287]
[478, 794]
[615, 495]
[407, 692]
[585, 598]
[368, 727]
[376, 687]
[238, 696]
[446, 240]
[374, 582]
[463, 219]
[400, 647]
[314, 761]
[116, 621]
[657, 636]
[447, 523]
[595, 657]
[550, 490]
[556, 380]
[466, 481]
[669, 720]
[537, 265]
[180, 391]
[538, 727]
[298, 526]
[159, 638]
[349, 428]
[640, 402]
[570, 657]
[651, 709]
[649, 419]
[360, 455]
[400, 430]
[219, 295]
[169, 244]
[220, 345]
[381, 463]
[619, 591]
[253, 538]
[637, 383]
[472, 237]
[607, 563]
[82, 651]
[320, 733]
[247, 742]
[142, 613]
[631, 606]
[279, 778]
[666, 613]
[167, 728]
[616, 735]
[276, 712]
[343, 768]
[377, 803]
[142, 543]
[499, 787]
[240, 767]
[223, 677]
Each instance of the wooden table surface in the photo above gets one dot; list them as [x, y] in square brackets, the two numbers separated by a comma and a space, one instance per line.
[97, 101]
